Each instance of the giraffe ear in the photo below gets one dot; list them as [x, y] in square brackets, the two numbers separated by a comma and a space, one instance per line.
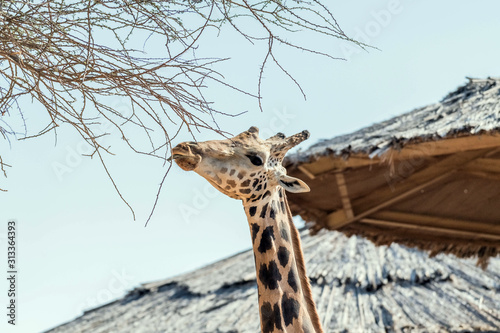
[293, 185]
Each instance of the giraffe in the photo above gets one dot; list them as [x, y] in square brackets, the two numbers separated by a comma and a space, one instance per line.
[249, 169]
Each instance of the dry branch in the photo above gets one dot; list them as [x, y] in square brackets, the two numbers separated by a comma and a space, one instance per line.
[71, 57]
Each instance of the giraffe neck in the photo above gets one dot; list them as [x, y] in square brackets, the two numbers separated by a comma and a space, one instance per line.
[285, 300]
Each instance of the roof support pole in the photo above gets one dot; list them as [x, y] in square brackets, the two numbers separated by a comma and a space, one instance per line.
[344, 195]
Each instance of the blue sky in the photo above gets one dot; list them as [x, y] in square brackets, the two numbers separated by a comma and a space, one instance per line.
[78, 244]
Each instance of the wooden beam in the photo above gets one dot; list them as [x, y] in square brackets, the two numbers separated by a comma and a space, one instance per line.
[306, 172]
[488, 165]
[485, 175]
[396, 186]
[434, 230]
[437, 221]
[409, 152]
[331, 218]
[337, 219]
[344, 195]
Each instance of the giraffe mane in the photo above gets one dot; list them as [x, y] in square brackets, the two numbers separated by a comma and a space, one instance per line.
[301, 267]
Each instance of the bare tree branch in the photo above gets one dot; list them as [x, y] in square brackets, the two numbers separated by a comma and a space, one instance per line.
[72, 57]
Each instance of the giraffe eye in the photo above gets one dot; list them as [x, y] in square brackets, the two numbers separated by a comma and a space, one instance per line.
[255, 159]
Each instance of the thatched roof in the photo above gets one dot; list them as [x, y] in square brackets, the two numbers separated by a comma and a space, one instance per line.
[471, 109]
[358, 288]
[428, 178]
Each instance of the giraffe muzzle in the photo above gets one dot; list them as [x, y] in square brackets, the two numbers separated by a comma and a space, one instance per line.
[184, 156]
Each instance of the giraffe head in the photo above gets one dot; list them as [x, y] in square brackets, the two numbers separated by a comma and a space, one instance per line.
[242, 167]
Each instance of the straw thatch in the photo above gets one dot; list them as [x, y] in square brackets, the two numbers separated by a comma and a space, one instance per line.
[358, 288]
[428, 178]
[471, 109]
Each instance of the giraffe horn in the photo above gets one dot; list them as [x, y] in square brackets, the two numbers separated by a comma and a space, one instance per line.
[253, 129]
[295, 139]
[283, 144]
[277, 137]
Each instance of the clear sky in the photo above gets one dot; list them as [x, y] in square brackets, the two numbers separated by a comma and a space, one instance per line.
[78, 245]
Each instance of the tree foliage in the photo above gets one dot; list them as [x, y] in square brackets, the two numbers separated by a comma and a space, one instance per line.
[71, 57]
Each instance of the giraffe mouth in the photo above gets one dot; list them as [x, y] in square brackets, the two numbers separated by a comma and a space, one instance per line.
[186, 160]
